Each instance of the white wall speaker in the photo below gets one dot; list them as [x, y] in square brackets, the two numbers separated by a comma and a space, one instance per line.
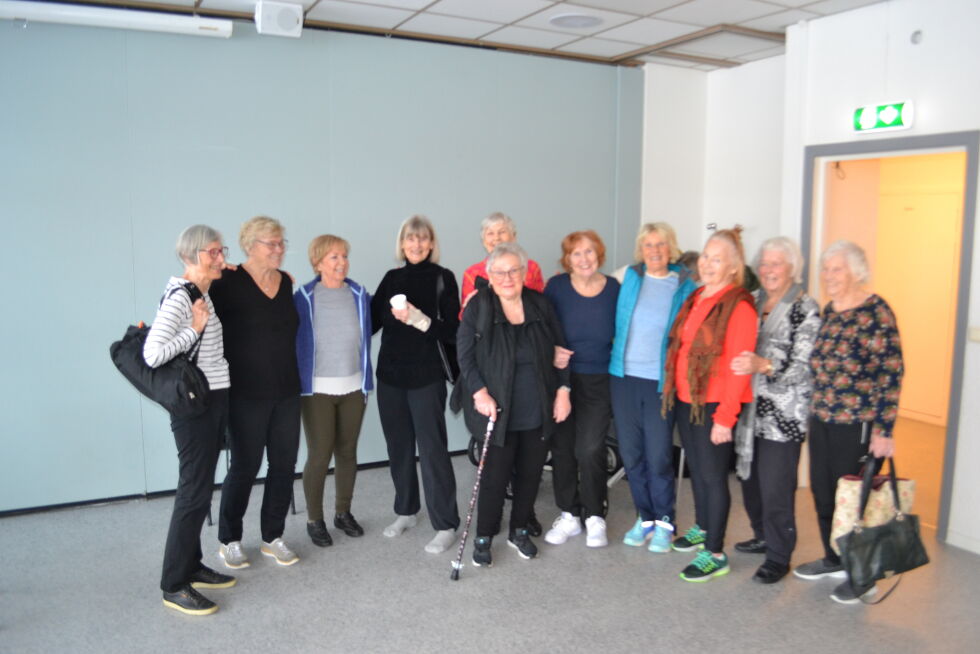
[279, 18]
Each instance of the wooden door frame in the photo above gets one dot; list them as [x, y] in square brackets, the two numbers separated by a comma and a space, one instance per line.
[968, 142]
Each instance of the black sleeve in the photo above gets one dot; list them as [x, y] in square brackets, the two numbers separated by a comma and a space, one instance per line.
[379, 305]
[466, 337]
[445, 330]
[551, 319]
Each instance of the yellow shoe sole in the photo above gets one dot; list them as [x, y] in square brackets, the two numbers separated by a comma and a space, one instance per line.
[177, 607]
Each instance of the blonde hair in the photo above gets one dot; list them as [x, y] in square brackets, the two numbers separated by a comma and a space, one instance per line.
[734, 238]
[323, 244]
[417, 224]
[665, 231]
[253, 228]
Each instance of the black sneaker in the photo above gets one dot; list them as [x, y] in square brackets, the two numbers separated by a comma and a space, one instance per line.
[751, 546]
[819, 569]
[848, 594]
[189, 601]
[208, 578]
[347, 524]
[319, 534]
[533, 526]
[521, 541]
[770, 572]
[481, 552]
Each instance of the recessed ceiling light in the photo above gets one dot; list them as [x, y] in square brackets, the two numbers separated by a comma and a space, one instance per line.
[577, 21]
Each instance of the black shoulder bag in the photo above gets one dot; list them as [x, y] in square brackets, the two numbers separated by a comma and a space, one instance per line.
[178, 385]
[447, 352]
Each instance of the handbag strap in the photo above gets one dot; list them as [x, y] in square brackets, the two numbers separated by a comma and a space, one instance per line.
[196, 347]
[440, 287]
[866, 481]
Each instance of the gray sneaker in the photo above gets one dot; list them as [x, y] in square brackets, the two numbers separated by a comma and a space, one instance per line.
[819, 569]
[847, 594]
[278, 550]
[233, 555]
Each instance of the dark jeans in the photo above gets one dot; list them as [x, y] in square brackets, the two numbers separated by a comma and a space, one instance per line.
[710, 466]
[198, 444]
[835, 451]
[769, 495]
[525, 452]
[417, 416]
[271, 426]
[578, 449]
[646, 442]
[332, 424]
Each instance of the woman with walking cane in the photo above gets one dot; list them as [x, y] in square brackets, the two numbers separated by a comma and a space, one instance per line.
[506, 348]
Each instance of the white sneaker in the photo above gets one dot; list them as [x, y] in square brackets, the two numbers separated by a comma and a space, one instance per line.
[595, 532]
[233, 555]
[278, 550]
[564, 527]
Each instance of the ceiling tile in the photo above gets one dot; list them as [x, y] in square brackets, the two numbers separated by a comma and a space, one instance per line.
[351, 13]
[640, 7]
[462, 28]
[599, 47]
[778, 22]
[790, 3]
[609, 19]
[712, 12]
[398, 4]
[763, 54]
[500, 11]
[528, 37]
[648, 31]
[723, 45]
[827, 7]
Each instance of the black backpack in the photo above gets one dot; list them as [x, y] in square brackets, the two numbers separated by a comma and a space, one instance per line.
[178, 385]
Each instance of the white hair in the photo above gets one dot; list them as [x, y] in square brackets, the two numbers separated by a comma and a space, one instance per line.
[853, 254]
[789, 249]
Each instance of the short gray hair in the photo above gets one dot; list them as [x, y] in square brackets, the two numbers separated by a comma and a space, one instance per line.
[504, 249]
[417, 224]
[853, 254]
[498, 217]
[789, 249]
[192, 240]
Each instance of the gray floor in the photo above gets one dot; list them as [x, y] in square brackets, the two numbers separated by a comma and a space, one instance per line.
[85, 580]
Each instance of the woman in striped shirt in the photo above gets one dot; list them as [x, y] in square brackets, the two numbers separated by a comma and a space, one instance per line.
[185, 317]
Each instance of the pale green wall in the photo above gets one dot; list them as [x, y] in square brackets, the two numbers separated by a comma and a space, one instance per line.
[111, 142]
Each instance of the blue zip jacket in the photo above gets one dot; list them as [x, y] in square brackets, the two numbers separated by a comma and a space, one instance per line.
[628, 292]
[306, 338]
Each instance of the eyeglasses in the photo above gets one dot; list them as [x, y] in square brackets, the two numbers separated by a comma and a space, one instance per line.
[214, 252]
[513, 273]
[275, 245]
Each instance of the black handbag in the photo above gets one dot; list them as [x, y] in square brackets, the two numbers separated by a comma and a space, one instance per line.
[872, 553]
[178, 385]
[447, 353]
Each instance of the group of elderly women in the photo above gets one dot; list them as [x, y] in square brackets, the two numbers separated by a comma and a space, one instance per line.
[744, 377]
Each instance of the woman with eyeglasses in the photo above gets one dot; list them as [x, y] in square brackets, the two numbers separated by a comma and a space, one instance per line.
[506, 347]
[255, 304]
[186, 320]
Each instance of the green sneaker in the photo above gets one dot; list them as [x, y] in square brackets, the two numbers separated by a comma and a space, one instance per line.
[704, 567]
[691, 541]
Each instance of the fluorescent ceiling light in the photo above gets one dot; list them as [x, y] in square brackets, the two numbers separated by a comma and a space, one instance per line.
[576, 21]
[147, 21]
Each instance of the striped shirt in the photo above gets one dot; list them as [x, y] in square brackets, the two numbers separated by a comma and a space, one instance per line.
[171, 334]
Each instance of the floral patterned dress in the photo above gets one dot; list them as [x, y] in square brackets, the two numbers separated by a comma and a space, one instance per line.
[857, 367]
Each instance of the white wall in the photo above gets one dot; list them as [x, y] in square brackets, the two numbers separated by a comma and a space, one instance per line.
[839, 63]
[675, 108]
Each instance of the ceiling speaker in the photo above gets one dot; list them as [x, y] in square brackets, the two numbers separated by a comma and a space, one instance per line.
[279, 18]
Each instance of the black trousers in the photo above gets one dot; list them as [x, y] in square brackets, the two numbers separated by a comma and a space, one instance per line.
[417, 416]
[710, 466]
[198, 444]
[835, 451]
[769, 495]
[522, 455]
[257, 426]
[578, 449]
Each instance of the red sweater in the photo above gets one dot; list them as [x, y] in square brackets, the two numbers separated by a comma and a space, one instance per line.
[724, 386]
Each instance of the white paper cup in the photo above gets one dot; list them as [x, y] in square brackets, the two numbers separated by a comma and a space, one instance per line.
[398, 301]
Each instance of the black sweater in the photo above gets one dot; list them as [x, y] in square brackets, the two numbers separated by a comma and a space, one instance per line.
[408, 358]
[259, 335]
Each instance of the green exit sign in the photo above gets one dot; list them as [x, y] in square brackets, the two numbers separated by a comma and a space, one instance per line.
[877, 118]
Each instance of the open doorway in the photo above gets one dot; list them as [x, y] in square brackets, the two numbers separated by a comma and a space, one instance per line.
[909, 203]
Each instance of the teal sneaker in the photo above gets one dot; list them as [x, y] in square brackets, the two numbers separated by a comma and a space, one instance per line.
[662, 534]
[691, 541]
[704, 567]
[639, 534]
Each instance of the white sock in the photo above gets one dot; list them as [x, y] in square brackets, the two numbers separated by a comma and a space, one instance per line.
[400, 524]
[443, 541]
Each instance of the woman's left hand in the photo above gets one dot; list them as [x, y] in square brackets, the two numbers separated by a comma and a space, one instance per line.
[747, 363]
[720, 434]
[563, 405]
[882, 446]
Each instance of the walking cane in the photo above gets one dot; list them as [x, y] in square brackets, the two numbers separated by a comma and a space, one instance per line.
[458, 563]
